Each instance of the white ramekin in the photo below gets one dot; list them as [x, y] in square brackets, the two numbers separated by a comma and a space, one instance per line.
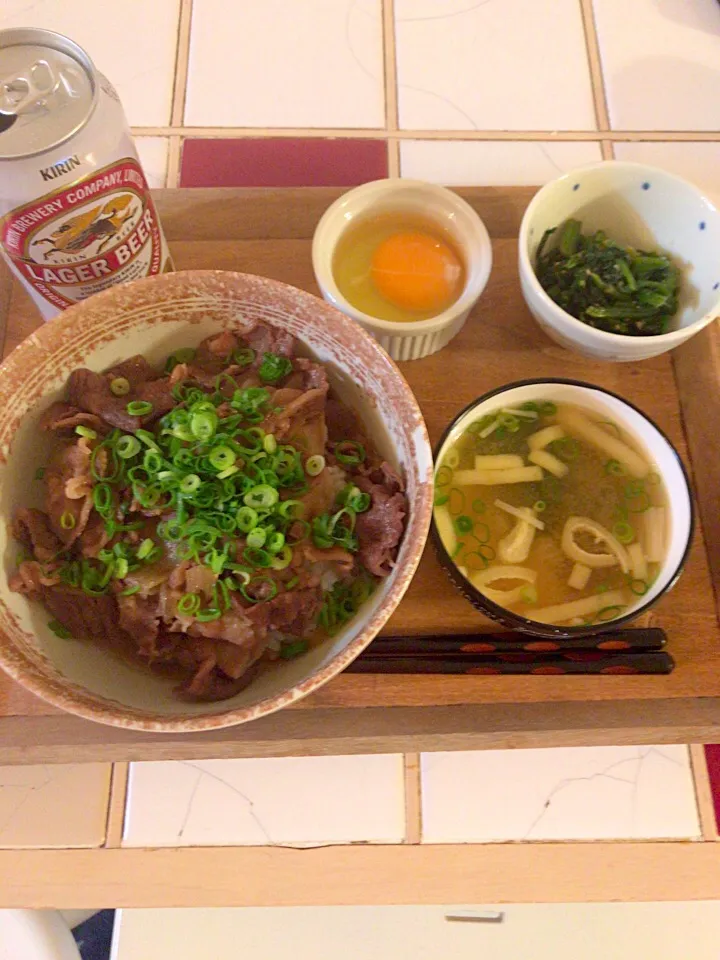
[638, 205]
[407, 341]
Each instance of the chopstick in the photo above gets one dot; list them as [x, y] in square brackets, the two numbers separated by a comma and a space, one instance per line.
[618, 641]
[535, 664]
[619, 652]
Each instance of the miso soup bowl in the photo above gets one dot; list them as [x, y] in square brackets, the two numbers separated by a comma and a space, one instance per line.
[652, 440]
[155, 317]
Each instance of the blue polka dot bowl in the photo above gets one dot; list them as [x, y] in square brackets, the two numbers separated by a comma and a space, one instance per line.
[639, 206]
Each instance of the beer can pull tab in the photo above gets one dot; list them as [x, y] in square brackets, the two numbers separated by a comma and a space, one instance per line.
[33, 87]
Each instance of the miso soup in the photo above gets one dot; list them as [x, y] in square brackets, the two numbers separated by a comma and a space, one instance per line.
[553, 513]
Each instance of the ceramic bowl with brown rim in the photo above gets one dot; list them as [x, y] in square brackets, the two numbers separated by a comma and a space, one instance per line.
[155, 317]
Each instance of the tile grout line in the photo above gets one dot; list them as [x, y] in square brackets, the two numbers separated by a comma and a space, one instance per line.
[390, 84]
[703, 792]
[597, 81]
[413, 798]
[177, 112]
[373, 133]
[116, 806]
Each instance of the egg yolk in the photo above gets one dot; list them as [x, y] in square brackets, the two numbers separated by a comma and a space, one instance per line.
[416, 271]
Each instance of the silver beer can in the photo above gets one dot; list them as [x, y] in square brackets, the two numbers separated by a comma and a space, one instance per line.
[76, 215]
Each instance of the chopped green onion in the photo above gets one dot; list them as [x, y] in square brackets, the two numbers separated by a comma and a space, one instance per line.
[529, 594]
[244, 357]
[261, 496]
[441, 499]
[229, 472]
[539, 506]
[274, 368]
[139, 408]
[478, 506]
[639, 587]
[59, 630]
[547, 408]
[120, 386]
[282, 559]
[190, 483]
[102, 498]
[208, 614]
[350, 453]
[145, 548]
[256, 537]
[314, 465]
[127, 447]
[86, 432]
[291, 509]
[257, 557]
[609, 613]
[614, 468]
[67, 520]
[222, 457]
[265, 585]
[40, 473]
[144, 436]
[463, 524]
[293, 648]
[121, 568]
[270, 444]
[246, 518]
[203, 424]
[188, 604]
[129, 591]
[275, 542]
[443, 476]
[623, 532]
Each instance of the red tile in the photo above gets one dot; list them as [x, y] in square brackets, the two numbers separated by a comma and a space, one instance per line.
[712, 755]
[281, 162]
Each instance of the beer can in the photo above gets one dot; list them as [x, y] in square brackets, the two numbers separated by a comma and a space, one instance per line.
[76, 215]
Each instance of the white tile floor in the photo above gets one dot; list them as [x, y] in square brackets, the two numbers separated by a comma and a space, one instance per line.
[280, 63]
[468, 163]
[299, 801]
[133, 43]
[54, 806]
[661, 60]
[586, 793]
[465, 66]
[592, 931]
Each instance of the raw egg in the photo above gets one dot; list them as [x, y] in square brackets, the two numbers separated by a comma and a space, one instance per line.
[398, 267]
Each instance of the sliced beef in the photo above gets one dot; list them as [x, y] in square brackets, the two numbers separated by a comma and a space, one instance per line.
[31, 578]
[306, 375]
[293, 613]
[136, 370]
[211, 683]
[233, 626]
[94, 537]
[139, 618]
[342, 559]
[265, 339]
[380, 529]
[32, 528]
[322, 491]
[342, 423]
[84, 616]
[91, 392]
[69, 484]
[215, 353]
[62, 418]
[159, 394]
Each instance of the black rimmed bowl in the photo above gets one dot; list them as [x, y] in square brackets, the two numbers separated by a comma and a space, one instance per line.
[659, 449]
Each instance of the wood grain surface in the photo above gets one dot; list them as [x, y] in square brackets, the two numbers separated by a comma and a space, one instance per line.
[268, 232]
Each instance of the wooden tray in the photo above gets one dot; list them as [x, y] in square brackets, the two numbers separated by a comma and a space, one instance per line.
[268, 232]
